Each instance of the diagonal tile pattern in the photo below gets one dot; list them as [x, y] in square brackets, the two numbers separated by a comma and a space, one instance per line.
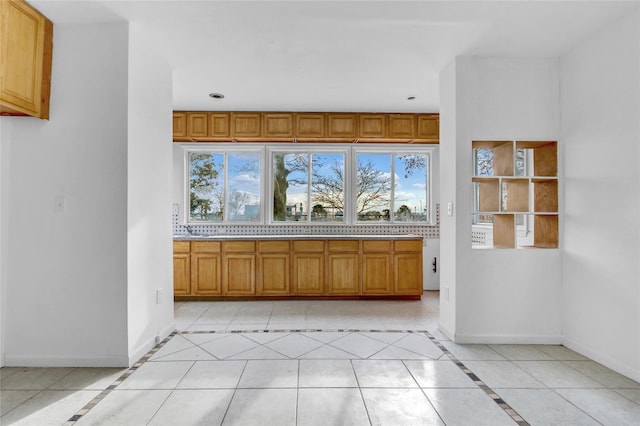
[223, 369]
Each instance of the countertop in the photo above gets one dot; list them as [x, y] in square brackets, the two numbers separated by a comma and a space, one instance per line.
[215, 237]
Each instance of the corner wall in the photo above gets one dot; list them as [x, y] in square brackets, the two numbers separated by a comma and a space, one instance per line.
[65, 292]
[149, 194]
[5, 137]
[601, 136]
[495, 295]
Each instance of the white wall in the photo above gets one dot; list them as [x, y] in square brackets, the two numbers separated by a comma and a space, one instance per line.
[150, 157]
[600, 140]
[5, 126]
[65, 292]
[502, 295]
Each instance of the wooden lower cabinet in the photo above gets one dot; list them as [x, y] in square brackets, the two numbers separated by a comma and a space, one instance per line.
[308, 274]
[298, 268]
[205, 274]
[376, 274]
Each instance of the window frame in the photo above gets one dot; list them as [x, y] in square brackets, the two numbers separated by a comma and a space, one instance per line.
[225, 150]
[265, 153]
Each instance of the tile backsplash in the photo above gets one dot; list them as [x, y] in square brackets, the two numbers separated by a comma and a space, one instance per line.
[429, 232]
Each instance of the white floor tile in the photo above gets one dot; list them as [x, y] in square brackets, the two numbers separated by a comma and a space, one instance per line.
[438, 374]
[383, 374]
[400, 407]
[631, 394]
[473, 352]
[157, 375]
[262, 407]
[176, 344]
[521, 352]
[259, 352]
[193, 408]
[359, 345]
[420, 344]
[11, 399]
[213, 375]
[467, 407]
[202, 338]
[556, 374]
[229, 345]
[8, 371]
[270, 374]
[323, 407]
[125, 407]
[327, 373]
[263, 338]
[393, 352]
[561, 353]
[34, 378]
[385, 337]
[328, 352]
[192, 354]
[88, 379]
[545, 407]
[602, 374]
[48, 408]
[502, 374]
[325, 337]
[294, 345]
[604, 405]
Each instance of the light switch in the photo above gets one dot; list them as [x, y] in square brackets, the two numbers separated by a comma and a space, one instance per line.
[450, 209]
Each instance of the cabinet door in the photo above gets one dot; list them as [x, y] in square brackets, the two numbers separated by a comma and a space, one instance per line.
[373, 126]
[25, 60]
[179, 124]
[181, 274]
[239, 276]
[277, 125]
[376, 274]
[342, 126]
[273, 274]
[219, 125]
[344, 274]
[402, 126]
[310, 125]
[429, 127]
[408, 273]
[245, 125]
[197, 124]
[308, 273]
[205, 274]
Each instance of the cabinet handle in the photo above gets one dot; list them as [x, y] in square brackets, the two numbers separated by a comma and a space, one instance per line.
[435, 265]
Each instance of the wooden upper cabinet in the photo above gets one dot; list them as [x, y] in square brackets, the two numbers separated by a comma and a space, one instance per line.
[179, 124]
[342, 126]
[310, 125]
[197, 124]
[373, 126]
[277, 125]
[25, 60]
[245, 124]
[428, 127]
[219, 126]
[402, 126]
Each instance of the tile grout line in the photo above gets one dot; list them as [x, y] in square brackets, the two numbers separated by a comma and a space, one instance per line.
[487, 390]
[490, 392]
[84, 410]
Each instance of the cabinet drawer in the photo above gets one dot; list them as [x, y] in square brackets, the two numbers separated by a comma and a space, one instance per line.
[205, 246]
[308, 246]
[344, 246]
[239, 246]
[376, 246]
[406, 246]
[273, 246]
[181, 246]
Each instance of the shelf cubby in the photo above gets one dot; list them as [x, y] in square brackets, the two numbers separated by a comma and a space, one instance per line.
[515, 194]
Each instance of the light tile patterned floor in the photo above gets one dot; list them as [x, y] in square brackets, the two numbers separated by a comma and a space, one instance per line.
[324, 363]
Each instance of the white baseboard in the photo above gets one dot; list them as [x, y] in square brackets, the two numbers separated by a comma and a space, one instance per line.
[626, 370]
[47, 361]
[149, 344]
[506, 339]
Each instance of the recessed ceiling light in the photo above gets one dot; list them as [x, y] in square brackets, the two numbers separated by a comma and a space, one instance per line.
[216, 95]
[410, 98]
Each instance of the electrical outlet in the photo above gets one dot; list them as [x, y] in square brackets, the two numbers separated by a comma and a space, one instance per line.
[450, 209]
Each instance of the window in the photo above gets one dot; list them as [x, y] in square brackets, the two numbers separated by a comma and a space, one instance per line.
[224, 186]
[308, 186]
[339, 184]
[392, 187]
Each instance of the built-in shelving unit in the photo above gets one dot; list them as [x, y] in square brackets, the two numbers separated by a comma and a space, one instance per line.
[515, 194]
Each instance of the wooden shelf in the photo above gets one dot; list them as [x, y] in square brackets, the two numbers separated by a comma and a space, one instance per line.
[523, 209]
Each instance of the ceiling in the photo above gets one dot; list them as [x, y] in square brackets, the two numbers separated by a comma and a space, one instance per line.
[336, 55]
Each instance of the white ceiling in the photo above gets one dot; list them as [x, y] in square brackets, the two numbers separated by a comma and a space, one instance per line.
[336, 55]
